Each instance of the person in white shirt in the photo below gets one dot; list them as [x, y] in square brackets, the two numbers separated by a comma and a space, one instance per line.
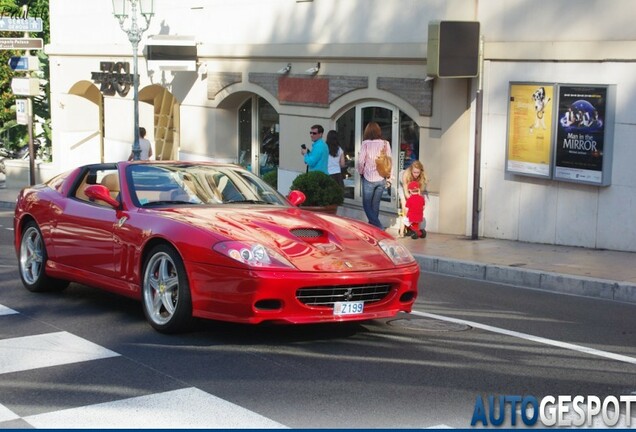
[336, 161]
[145, 145]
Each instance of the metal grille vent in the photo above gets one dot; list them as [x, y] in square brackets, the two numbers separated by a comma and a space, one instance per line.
[327, 296]
[307, 232]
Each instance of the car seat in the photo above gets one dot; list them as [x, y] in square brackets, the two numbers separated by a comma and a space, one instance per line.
[111, 181]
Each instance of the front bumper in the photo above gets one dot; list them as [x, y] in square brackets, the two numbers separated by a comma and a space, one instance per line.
[248, 296]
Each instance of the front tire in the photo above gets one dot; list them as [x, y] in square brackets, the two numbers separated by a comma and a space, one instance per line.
[33, 259]
[165, 291]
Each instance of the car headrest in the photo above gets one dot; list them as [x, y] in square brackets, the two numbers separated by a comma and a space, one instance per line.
[111, 181]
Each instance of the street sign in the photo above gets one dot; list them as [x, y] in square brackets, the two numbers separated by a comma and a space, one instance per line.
[25, 86]
[21, 43]
[21, 24]
[22, 111]
[24, 63]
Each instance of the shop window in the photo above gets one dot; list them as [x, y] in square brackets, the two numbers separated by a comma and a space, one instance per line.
[258, 131]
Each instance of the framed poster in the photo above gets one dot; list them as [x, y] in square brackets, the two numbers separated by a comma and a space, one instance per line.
[530, 129]
[584, 134]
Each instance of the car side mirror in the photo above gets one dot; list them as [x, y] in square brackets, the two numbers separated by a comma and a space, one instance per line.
[296, 198]
[101, 192]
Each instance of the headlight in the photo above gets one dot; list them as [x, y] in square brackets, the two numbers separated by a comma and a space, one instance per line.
[398, 253]
[253, 254]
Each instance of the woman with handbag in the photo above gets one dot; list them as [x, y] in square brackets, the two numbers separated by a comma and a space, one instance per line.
[375, 153]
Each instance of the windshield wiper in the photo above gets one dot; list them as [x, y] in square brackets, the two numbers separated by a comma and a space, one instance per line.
[247, 201]
[164, 202]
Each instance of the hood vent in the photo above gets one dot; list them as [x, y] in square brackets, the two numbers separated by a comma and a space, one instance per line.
[307, 233]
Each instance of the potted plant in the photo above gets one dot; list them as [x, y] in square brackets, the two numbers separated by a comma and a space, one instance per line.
[322, 193]
[271, 178]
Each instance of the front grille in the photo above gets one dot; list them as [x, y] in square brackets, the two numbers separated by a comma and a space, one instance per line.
[327, 295]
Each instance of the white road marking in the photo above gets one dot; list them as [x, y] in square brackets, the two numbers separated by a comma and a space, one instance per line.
[51, 349]
[6, 311]
[187, 408]
[538, 339]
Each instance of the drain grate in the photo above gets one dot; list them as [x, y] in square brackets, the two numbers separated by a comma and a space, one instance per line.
[427, 324]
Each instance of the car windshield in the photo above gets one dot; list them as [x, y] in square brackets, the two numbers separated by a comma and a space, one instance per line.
[170, 184]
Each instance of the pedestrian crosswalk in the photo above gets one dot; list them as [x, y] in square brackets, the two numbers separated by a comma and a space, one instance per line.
[179, 409]
[51, 379]
[6, 311]
[46, 350]
[43, 354]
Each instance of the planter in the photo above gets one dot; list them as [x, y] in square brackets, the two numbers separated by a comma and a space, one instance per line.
[329, 209]
[323, 194]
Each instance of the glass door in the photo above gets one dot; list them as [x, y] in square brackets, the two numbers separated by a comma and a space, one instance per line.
[245, 138]
[350, 127]
[258, 132]
[386, 118]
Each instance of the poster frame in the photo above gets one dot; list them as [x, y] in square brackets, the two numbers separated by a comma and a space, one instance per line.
[569, 174]
[526, 168]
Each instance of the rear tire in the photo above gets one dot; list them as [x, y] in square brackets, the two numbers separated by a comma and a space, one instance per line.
[33, 259]
[166, 296]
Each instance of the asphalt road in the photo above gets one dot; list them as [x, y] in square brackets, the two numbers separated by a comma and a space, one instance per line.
[85, 357]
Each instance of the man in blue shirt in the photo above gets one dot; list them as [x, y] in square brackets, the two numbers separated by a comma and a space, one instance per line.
[317, 158]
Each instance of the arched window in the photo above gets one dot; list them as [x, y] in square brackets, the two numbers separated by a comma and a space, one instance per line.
[258, 132]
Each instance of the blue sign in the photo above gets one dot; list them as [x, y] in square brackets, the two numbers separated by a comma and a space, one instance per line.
[19, 63]
[21, 24]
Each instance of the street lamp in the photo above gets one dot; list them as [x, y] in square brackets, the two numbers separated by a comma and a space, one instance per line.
[134, 32]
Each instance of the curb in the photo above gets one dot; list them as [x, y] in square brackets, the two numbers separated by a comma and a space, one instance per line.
[528, 278]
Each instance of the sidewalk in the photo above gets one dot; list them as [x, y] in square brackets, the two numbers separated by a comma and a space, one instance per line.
[595, 273]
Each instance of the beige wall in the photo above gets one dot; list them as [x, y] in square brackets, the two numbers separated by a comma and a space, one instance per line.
[558, 41]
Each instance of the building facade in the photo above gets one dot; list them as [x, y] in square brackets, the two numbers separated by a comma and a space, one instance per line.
[243, 81]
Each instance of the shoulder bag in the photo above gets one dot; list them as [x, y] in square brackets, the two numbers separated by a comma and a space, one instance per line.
[383, 162]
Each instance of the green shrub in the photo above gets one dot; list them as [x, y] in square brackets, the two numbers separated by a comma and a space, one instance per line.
[271, 178]
[319, 188]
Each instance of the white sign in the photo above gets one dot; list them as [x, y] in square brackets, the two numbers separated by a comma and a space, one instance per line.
[22, 111]
[25, 86]
[21, 24]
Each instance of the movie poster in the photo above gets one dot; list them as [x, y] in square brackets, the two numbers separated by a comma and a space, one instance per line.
[530, 129]
[580, 134]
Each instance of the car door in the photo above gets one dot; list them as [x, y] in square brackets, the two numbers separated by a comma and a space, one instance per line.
[83, 235]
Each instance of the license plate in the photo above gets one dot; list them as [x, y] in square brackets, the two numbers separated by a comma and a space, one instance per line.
[348, 308]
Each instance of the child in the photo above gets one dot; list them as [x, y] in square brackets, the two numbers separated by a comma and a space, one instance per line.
[415, 211]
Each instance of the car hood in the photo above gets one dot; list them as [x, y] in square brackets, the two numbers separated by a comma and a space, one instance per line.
[311, 241]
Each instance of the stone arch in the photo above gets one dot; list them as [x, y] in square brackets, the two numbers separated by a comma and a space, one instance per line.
[85, 127]
[166, 120]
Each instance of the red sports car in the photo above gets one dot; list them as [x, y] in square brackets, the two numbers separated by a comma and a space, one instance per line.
[210, 241]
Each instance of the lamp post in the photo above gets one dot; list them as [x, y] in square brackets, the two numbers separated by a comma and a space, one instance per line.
[134, 32]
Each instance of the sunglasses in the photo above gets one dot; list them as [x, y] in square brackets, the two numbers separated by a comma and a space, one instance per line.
[314, 133]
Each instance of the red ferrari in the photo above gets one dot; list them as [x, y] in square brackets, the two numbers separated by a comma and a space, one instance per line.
[210, 241]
